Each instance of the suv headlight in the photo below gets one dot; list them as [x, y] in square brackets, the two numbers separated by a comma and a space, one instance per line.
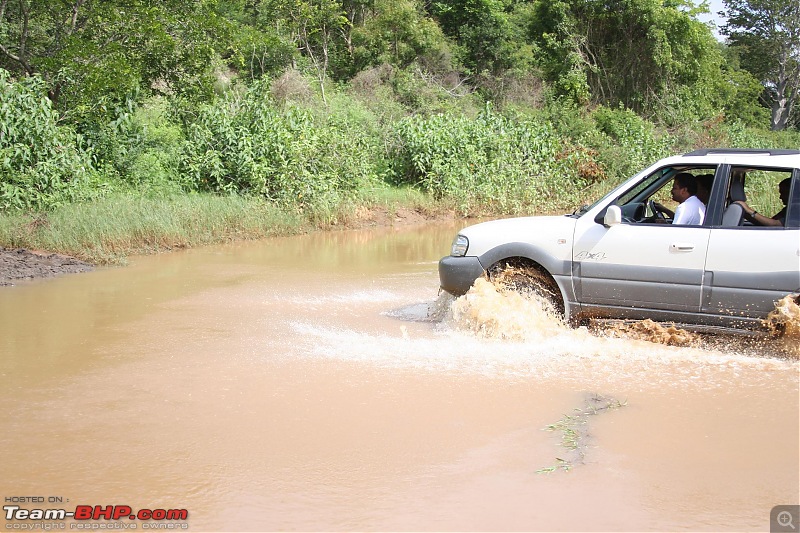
[460, 245]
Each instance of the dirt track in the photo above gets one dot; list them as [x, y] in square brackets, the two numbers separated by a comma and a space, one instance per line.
[20, 264]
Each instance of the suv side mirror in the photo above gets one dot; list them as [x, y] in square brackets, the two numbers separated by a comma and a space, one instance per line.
[613, 216]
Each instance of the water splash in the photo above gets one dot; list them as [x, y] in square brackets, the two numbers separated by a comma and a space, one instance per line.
[497, 309]
[503, 309]
[492, 310]
[648, 330]
[496, 331]
[784, 323]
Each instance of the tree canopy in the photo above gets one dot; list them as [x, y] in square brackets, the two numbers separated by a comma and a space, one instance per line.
[766, 35]
[95, 54]
[650, 56]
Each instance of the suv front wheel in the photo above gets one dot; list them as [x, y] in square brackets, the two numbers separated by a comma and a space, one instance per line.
[528, 278]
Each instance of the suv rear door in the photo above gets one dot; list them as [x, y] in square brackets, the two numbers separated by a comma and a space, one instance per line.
[750, 267]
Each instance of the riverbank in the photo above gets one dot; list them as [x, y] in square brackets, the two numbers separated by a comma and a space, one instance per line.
[76, 237]
[21, 264]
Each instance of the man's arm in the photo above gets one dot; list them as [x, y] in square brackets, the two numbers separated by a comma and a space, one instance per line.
[757, 217]
[664, 209]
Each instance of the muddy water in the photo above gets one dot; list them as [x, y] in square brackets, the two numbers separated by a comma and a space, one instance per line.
[298, 384]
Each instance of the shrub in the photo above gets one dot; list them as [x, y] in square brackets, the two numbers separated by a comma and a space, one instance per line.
[738, 135]
[43, 163]
[291, 86]
[489, 163]
[625, 142]
[247, 144]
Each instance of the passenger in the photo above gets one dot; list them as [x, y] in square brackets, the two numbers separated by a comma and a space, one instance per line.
[780, 217]
[691, 210]
[704, 184]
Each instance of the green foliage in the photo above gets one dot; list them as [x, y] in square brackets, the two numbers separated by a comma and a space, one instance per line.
[398, 35]
[256, 53]
[42, 164]
[486, 163]
[141, 149]
[247, 144]
[93, 55]
[174, 97]
[483, 28]
[634, 53]
[766, 33]
[257, 47]
[739, 96]
[373, 89]
[315, 26]
[422, 93]
[739, 135]
[606, 145]
[150, 149]
[627, 143]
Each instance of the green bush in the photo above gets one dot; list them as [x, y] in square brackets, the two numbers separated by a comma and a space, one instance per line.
[142, 148]
[738, 135]
[490, 163]
[625, 142]
[247, 144]
[154, 150]
[42, 163]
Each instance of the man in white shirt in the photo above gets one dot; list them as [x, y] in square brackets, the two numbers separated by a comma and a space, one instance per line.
[691, 210]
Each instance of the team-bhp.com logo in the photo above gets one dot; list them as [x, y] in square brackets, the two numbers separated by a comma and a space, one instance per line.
[87, 517]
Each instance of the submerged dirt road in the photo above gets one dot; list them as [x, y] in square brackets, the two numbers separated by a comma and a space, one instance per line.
[299, 383]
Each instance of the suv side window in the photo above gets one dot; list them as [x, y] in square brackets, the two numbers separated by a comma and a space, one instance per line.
[793, 215]
[762, 188]
[637, 202]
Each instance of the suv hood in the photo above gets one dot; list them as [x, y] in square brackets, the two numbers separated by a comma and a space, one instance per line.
[549, 232]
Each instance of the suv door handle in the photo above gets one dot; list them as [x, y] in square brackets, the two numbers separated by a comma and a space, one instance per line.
[681, 247]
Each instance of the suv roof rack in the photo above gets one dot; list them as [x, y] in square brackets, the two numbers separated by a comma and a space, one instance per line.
[743, 151]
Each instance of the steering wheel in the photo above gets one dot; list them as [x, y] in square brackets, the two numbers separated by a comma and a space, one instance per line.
[656, 211]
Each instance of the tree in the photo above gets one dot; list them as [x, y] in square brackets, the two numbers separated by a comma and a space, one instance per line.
[482, 28]
[257, 45]
[316, 24]
[93, 53]
[634, 53]
[767, 36]
[397, 34]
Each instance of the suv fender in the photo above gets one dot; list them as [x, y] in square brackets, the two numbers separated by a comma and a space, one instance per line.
[560, 270]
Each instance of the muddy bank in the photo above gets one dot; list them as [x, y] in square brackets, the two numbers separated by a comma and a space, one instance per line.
[17, 264]
[21, 264]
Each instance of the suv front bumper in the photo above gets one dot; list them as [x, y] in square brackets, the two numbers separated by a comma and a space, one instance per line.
[457, 274]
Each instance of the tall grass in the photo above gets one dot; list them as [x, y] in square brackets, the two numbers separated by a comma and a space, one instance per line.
[488, 164]
[110, 229]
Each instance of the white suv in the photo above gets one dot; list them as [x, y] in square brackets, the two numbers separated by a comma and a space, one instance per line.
[623, 258]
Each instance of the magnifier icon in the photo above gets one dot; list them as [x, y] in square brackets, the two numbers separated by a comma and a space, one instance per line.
[785, 519]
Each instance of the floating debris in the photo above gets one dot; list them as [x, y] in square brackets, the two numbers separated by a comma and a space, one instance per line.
[575, 433]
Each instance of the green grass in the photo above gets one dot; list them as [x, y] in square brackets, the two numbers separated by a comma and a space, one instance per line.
[109, 230]
[113, 228]
[393, 198]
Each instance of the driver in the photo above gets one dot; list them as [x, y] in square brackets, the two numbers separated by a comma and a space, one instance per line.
[691, 210]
